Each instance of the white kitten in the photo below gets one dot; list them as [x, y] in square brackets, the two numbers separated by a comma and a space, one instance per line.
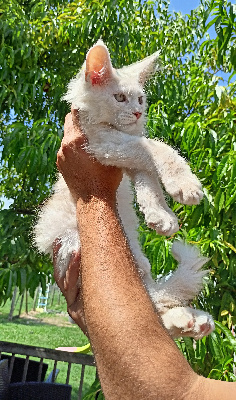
[111, 107]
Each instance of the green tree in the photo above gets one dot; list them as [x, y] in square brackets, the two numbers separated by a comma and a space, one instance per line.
[224, 20]
[43, 44]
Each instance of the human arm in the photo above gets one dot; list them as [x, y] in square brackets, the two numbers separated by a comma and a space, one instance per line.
[135, 356]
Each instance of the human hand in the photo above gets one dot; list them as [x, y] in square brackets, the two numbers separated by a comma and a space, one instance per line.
[69, 286]
[84, 176]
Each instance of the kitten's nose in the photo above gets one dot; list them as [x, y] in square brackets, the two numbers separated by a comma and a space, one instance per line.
[137, 114]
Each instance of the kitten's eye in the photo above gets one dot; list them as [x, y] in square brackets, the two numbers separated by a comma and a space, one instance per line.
[120, 97]
[140, 99]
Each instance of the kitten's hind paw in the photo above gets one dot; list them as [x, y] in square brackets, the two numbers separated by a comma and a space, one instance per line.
[186, 321]
[162, 222]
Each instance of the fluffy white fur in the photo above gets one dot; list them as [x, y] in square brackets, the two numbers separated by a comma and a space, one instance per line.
[111, 107]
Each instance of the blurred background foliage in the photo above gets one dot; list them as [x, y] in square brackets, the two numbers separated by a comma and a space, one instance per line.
[192, 106]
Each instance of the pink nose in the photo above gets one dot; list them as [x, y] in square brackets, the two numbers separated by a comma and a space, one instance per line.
[137, 114]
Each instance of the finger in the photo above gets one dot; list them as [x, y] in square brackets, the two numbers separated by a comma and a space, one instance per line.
[68, 283]
[76, 123]
[75, 117]
[60, 282]
[74, 266]
[56, 247]
[71, 128]
[63, 152]
[71, 287]
[68, 121]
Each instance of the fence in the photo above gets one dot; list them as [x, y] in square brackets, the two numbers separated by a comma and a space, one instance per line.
[10, 350]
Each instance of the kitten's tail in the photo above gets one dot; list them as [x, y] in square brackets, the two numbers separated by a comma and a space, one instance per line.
[189, 271]
[186, 281]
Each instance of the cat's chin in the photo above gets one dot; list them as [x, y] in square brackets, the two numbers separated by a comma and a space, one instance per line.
[129, 128]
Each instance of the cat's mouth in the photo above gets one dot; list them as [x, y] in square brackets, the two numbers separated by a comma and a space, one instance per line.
[132, 123]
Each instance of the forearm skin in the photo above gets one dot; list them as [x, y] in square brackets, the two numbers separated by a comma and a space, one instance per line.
[133, 357]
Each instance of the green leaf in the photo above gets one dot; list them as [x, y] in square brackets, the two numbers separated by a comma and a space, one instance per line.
[212, 22]
[227, 334]
[189, 347]
[22, 280]
[9, 278]
[95, 391]
[219, 200]
[215, 345]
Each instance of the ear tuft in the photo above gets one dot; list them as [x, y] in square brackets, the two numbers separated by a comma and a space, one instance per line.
[142, 70]
[149, 66]
[98, 65]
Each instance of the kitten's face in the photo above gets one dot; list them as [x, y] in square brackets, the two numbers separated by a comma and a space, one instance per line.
[130, 107]
[119, 103]
[110, 96]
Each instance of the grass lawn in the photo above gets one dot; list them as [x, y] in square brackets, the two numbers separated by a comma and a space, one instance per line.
[49, 330]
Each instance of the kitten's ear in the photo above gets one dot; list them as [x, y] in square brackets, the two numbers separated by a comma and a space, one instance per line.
[98, 65]
[148, 66]
[144, 69]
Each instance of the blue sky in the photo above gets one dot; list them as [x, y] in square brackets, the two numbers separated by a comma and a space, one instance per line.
[185, 6]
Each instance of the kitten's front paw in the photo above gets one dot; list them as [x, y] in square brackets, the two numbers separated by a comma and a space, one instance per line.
[186, 321]
[187, 190]
[162, 222]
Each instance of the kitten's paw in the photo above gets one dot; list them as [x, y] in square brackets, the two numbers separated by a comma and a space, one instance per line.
[187, 190]
[186, 321]
[162, 222]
